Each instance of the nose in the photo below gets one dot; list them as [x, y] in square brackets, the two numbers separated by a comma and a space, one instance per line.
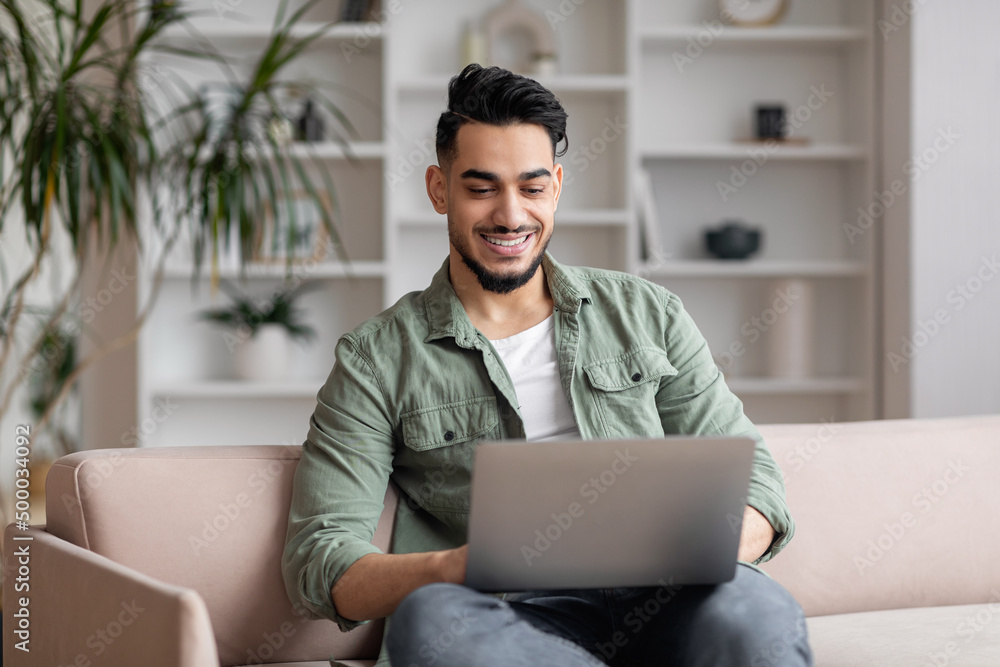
[509, 211]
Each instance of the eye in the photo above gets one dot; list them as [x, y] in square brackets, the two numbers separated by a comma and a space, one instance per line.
[536, 190]
[480, 191]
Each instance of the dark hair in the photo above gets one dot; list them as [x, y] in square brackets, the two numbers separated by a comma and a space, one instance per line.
[496, 96]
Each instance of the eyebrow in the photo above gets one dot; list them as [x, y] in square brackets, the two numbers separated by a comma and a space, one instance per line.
[494, 178]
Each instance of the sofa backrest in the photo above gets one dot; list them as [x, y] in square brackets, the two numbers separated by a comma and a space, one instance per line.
[890, 514]
[212, 519]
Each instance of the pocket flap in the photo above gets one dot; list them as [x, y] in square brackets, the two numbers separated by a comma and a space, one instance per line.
[449, 424]
[630, 370]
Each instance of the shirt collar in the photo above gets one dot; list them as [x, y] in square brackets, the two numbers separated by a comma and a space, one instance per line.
[447, 317]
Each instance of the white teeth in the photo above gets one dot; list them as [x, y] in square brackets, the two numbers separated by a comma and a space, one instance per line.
[517, 241]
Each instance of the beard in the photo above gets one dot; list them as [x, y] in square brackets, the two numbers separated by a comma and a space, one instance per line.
[498, 283]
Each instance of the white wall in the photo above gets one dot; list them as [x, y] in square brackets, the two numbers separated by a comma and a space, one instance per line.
[954, 235]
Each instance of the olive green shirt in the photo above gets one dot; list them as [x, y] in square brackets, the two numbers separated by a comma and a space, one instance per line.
[416, 387]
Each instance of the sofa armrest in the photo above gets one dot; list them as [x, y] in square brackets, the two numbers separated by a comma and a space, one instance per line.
[69, 606]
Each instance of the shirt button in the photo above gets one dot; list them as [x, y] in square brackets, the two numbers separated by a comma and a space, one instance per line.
[449, 435]
[636, 377]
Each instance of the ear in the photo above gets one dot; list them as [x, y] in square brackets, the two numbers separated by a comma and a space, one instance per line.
[437, 189]
[557, 180]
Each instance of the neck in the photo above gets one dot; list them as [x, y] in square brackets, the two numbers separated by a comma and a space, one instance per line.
[500, 315]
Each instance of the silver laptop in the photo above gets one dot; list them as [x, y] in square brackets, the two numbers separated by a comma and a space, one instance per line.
[607, 513]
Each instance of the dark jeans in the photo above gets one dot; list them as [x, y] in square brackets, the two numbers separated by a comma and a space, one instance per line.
[749, 621]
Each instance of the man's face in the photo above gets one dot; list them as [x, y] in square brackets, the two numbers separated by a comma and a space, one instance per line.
[500, 195]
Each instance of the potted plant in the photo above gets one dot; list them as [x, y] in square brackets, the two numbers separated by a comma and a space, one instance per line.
[83, 150]
[261, 330]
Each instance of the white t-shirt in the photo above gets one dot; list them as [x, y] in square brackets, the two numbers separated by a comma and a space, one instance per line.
[530, 358]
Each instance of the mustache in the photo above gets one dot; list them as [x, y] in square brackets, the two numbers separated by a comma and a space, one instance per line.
[507, 230]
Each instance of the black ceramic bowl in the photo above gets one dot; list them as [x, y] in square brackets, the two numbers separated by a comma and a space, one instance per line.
[732, 241]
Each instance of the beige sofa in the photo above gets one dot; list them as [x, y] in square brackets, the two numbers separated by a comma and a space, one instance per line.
[170, 557]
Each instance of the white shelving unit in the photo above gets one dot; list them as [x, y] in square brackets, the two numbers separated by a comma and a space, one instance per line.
[697, 83]
[685, 125]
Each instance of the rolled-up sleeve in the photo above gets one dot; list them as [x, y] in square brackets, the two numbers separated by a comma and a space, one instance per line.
[339, 484]
[697, 401]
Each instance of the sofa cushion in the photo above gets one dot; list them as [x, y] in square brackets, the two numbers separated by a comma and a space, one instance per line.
[890, 514]
[212, 519]
[955, 635]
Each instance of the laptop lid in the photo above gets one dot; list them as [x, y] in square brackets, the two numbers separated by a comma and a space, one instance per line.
[606, 513]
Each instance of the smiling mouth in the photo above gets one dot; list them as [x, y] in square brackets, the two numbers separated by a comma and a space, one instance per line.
[506, 242]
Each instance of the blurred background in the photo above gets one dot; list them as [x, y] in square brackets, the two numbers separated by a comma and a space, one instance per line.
[200, 197]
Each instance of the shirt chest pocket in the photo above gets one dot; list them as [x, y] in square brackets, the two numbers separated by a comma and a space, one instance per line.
[624, 391]
[434, 467]
[450, 424]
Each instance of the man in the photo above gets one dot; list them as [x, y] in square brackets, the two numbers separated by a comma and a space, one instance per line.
[507, 343]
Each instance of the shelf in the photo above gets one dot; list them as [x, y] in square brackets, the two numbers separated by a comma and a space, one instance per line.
[227, 389]
[752, 268]
[580, 83]
[325, 150]
[567, 218]
[331, 269]
[815, 385]
[231, 30]
[331, 150]
[781, 35]
[747, 150]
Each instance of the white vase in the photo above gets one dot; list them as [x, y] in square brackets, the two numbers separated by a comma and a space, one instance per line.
[264, 356]
[790, 340]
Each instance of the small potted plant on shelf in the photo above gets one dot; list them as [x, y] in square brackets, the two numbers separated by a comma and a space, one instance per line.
[262, 330]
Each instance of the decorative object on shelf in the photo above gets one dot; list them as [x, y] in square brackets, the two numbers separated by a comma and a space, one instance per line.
[520, 39]
[235, 175]
[309, 125]
[262, 330]
[545, 64]
[771, 123]
[293, 231]
[790, 338]
[733, 240]
[354, 11]
[280, 130]
[753, 12]
[474, 47]
[650, 245]
[219, 100]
